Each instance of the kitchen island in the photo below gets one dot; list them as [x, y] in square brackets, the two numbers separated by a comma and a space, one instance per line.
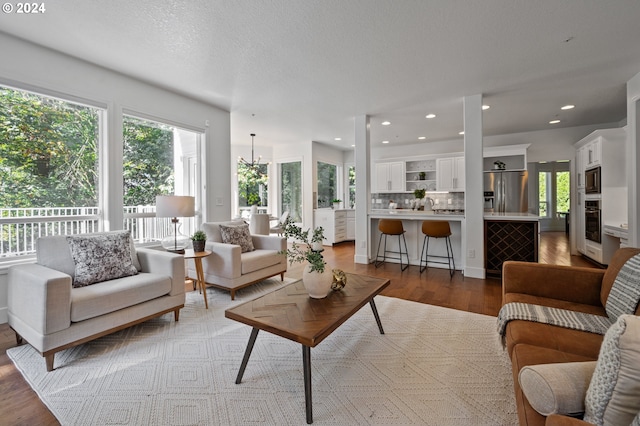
[509, 236]
[412, 224]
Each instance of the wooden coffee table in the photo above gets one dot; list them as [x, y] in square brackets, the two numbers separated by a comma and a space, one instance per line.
[289, 312]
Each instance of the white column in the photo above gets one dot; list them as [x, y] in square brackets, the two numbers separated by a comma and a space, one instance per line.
[473, 226]
[633, 159]
[363, 187]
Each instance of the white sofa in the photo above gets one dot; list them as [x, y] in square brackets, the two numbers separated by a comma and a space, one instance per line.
[230, 269]
[52, 315]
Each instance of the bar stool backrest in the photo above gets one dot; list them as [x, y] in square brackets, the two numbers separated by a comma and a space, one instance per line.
[436, 228]
[390, 226]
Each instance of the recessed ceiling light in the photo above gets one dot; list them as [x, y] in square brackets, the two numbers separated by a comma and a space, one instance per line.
[385, 141]
[554, 121]
[422, 137]
[338, 139]
[568, 107]
[353, 146]
[485, 107]
[461, 133]
[430, 116]
[386, 123]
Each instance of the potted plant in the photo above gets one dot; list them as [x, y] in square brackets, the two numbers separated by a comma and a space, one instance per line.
[419, 193]
[336, 203]
[199, 238]
[422, 175]
[316, 280]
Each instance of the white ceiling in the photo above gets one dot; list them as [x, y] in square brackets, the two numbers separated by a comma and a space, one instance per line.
[294, 70]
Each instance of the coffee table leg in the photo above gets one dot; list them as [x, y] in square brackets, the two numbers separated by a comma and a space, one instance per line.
[247, 354]
[375, 314]
[306, 364]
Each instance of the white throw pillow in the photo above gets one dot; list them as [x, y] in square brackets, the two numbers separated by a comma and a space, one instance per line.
[613, 397]
[557, 388]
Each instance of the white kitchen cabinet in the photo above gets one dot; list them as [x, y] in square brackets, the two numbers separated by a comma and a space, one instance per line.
[389, 177]
[450, 174]
[351, 225]
[593, 153]
[578, 217]
[421, 174]
[580, 166]
[335, 224]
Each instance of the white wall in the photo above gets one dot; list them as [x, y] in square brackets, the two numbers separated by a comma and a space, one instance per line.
[633, 159]
[28, 66]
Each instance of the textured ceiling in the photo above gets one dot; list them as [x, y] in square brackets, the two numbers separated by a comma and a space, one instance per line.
[293, 71]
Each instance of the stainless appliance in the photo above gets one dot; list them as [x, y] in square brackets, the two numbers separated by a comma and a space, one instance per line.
[592, 223]
[506, 192]
[592, 181]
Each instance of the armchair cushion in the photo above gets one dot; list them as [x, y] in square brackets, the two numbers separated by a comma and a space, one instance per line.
[259, 259]
[101, 257]
[557, 388]
[238, 235]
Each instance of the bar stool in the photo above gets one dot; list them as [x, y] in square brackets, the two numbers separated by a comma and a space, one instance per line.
[437, 229]
[391, 227]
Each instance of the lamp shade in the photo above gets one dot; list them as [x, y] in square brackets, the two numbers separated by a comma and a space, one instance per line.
[175, 206]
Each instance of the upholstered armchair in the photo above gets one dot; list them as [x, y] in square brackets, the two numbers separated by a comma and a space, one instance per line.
[238, 258]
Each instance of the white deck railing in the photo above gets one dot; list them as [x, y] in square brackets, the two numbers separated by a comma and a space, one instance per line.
[20, 228]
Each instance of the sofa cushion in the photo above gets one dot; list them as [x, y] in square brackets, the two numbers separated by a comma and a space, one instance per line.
[553, 337]
[238, 235]
[109, 296]
[212, 229]
[613, 397]
[557, 388]
[259, 259]
[625, 293]
[553, 303]
[101, 257]
[617, 261]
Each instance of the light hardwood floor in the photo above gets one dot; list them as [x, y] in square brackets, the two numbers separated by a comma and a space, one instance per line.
[19, 405]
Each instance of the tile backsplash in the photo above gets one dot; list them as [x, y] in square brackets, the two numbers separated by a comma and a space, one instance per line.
[451, 200]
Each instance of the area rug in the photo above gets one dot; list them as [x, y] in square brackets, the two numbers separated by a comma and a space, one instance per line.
[433, 366]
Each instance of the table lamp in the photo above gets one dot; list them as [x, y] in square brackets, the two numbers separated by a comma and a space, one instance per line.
[175, 206]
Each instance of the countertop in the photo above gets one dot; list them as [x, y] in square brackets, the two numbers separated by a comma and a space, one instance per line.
[512, 216]
[407, 214]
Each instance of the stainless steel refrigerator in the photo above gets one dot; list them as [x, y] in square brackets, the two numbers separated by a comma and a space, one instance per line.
[506, 192]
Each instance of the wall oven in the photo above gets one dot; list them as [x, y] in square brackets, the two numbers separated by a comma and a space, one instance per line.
[592, 223]
[592, 181]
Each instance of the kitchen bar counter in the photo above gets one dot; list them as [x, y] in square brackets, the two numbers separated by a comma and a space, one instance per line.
[408, 214]
[412, 224]
[511, 216]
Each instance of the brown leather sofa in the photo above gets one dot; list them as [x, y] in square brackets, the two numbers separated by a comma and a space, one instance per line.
[531, 343]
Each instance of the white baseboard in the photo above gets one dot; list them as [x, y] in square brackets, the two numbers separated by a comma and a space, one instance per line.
[474, 272]
[361, 259]
[4, 315]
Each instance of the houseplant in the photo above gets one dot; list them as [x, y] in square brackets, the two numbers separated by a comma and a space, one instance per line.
[316, 280]
[336, 203]
[199, 238]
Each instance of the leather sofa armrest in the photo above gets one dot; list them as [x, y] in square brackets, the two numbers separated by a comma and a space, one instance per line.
[164, 263]
[225, 260]
[569, 283]
[40, 297]
[558, 420]
[267, 242]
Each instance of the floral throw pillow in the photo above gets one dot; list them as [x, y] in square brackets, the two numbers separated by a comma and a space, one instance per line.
[238, 235]
[101, 257]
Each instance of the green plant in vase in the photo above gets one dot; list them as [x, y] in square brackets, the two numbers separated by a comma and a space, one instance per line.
[199, 238]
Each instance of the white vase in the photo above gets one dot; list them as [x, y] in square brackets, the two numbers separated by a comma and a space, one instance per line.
[318, 285]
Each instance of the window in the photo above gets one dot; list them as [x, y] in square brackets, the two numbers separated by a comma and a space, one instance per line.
[291, 190]
[351, 185]
[252, 185]
[327, 184]
[563, 192]
[48, 169]
[543, 190]
[155, 158]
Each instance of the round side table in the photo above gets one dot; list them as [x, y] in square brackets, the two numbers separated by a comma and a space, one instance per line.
[197, 260]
